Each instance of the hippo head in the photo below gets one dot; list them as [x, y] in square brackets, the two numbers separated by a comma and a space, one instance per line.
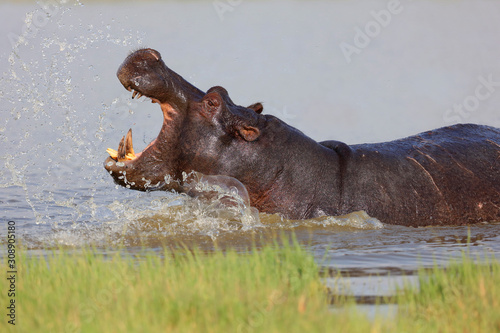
[203, 132]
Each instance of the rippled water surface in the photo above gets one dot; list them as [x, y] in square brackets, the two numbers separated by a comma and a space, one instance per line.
[62, 106]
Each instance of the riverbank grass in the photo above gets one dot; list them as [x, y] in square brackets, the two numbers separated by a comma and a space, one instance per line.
[273, 289]
[464, 297]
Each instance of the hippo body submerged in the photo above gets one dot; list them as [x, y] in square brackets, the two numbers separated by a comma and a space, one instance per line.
[447, 176]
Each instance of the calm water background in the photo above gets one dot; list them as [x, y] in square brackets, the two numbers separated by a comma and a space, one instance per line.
[62, 106]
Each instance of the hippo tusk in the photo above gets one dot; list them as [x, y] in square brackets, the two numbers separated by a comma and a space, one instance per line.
[125, 149]
[129, 147]
[121, 150]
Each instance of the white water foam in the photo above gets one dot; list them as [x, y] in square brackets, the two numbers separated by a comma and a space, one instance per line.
[62, 112]
[221, 207]
[53, 135]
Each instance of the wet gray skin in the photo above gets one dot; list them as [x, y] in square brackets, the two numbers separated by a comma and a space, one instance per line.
[449, 175]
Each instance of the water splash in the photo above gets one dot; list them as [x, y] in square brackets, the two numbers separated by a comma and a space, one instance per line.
[359, 220]
[154, 217]
[54, 131]
[60, 113]
[216, 206]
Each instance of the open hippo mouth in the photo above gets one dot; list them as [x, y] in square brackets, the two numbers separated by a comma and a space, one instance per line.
[186, 113]
[145, 74]
[446, 176]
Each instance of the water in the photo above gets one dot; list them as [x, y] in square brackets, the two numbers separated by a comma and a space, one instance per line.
[62, 106]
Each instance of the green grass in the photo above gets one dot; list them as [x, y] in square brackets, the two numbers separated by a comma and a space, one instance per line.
[274, 289]
[464, 297]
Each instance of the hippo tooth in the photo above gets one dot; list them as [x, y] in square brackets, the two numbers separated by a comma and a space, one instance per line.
[113, 153]
[129, 147]
[121, 150]
[134, 94]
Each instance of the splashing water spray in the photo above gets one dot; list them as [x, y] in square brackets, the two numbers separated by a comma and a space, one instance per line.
[52, 119]
[55, 121]
[59, 108]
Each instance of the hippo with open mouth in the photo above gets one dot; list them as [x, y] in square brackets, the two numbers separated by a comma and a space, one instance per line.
[446, 176]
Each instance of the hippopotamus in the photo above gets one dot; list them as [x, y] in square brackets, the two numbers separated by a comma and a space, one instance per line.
[447, 176]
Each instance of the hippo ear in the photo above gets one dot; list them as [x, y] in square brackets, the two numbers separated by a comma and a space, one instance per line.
[257, 107]
[249, 133]
[211, 104]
